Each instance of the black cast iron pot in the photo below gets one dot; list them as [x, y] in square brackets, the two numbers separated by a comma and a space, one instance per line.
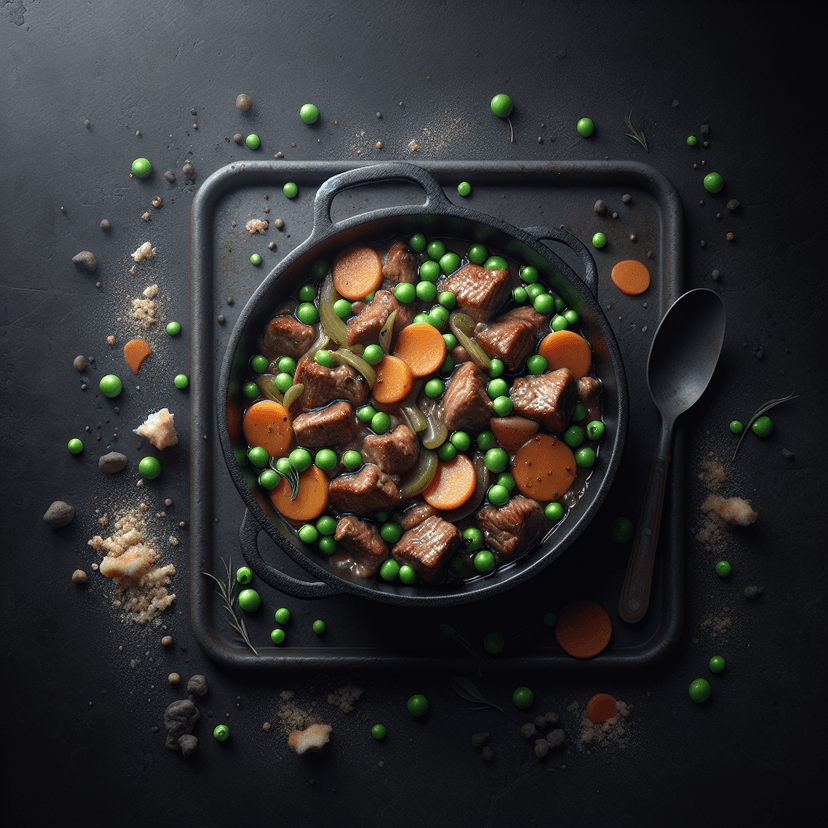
[437, 217]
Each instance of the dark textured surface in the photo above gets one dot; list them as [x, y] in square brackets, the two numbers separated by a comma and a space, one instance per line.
[83, 691]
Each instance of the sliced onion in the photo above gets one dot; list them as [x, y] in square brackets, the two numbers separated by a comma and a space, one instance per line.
[292, 394]
[335, 327]
[420, 476]
[267, 385]
[462, 325]
[344, 356]
[386, 334]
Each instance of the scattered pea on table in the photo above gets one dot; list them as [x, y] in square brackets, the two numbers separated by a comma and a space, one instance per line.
[713, 182]
[319, 627]
[762, 427]
[75, 446]
[723, 569]
[716, 664]
[418, 705]
[378, 732]
[256, 259]
[290, 190]
[110, 386]
[464, 188]
[282, 615]
[181, 381]
[309, 113]
[149, 467]
[277, 636]
[244, 575]
[221, 733]
[700, 690]
[249, 600]
[173, 328]
[141, 168]
[253, 141]
[523, 698]
[502, 105]
[599, 240]
[736, 427]
[585, 127]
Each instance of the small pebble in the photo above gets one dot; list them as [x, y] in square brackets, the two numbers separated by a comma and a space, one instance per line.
[59, 514]
[174, 678]
[188, 170]
[541, 748]
[752, 592]
[633, 237]
[238, 138]
[79, 363]
[556, 738]
[86, 123]
[551, 718]
[170, 176]
[760, 354]
[487, 754]
[243, 102]
[733, 205]
[787, 454]
[279, 224]
[730, 236]
[615, 215]
[650, 254]
[480, 740]
[528, 731]
[540, 722]
[79, 577]
[229, 300]
[704, 129]
[600, 207]
[147, 216]
[626, 198]
[221, 319]
[156, 201]
[85, 260]
[112, 463]
[197, 685]
[715, 275]
[167, 641]
[106, 224]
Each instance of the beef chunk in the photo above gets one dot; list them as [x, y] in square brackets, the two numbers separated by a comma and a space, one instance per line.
[589, 389]
[364, 329]
[369, 490]
[362, 542]
[401, 265]
[416, 515]
[549, 398]
[466, 402]
[395, 452]
[480, 292]
[332, 426]
[427, 547]
[512, 336]
[324, 385]
[286, 336]
[513, 527]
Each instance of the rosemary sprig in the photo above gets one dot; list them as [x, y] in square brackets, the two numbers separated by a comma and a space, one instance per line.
[229, 593]
[762, 410]
[466, 690]
[634, 134]
[292, 480]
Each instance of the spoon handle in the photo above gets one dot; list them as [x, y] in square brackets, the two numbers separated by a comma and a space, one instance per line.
[635, 594]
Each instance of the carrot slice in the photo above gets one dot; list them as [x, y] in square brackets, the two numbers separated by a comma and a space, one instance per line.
[357, 271]
[631, 277]
[584, 629]
[135, 352]
[513, 432]
[267, 424]
[453, 484]
[601, 707]
[544, 468]
[394, 380]
[311, 500]
[422, 347]
[567, 349]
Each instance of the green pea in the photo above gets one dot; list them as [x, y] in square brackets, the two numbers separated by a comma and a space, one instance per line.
[326, 525]
[497, 388]
[417, 705]
[580, 413]
[422, 317]
[256, 259]
[537, 364]
[269, 479]
[408, 574]
[282, 615]
[448, 451]
[502, 105]
[574, 436]
[506, 480]
[554, 511]
[464, 188]
[599, 240]
[249, 600]
[327, 545]
[307, 313]
[309, 533]
[523, 698]
[550, 619]
[559, 323]
[373, 354]
[700, 690]
[496, 460]
[716, 664]
[366, 413]
[319, 269]
[253, 141]
[173, 328]
[736, 427]
[244, 575]
[324, 358]
[529, 274]
[503, 406]
[149, 467]
[473, 538]
[300, 459]
[449, 262]
[493, 643]
[405, 292]
[250, 390]
[496, 368]
[283, 381]
[572, 317]
[713, 182]
[434, 388]
[484, 561]
[426, 291]
[283, 466]
[259, 363]
[486, 440]
[391, 531]
[378, 732]
[430, 271]
[477, 254]
[352, 460]
[258, 457]
[342, 308]
[496, 263]
[221, 733]
[692, 140]
[141, 168]
[448, 365]
[585, 458]
[287, 365]
[110, 386]
[447, 299]
[290, 190]
[455, 564]
[585, 127]
[461, 440]
[498, 495]
[319, 627]
[75, 446]
[762, 427]
[326, 459]
[560, 305]
[380, 422]
[309, 113]
[723, 569]
[307, 293]
[436, 250]
[519, 295]
[595, 430]
[534, 290]
[451, 341]
[390, 570]
[277, 637]
[417, 242]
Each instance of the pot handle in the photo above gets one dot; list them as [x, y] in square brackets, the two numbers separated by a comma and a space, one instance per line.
[248, 537]
[392, 171]
[590, 277]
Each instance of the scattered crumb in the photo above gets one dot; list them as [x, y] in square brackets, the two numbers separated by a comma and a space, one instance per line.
[345, 697]
[145, 251]
[614, 731]
[256, 226]
[310, 740]
[145, 310]
[718, 624]
[159, 429]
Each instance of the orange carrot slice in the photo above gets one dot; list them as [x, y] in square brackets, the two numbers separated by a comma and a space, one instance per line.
[267, 424]
[601, 707]
[566, 349]
[394, 380]
[513, 432]
[310, 501]
[584, 629]
[422, 347]
[631, 277]
[453, 484]
[544, 468]
[357, 271]
[135, 352]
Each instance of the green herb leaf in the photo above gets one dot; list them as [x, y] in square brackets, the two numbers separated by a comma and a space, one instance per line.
[466, 690]
[229, 593]
[760, 412]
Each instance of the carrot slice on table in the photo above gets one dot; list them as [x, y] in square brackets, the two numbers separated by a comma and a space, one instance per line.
[453, 484]
[584, 629]
[311, 499]
[357, 271]
[601, 707]
[267, 424]
[544, 468]
[513, 432]
[135, 352]
[422, 347]
[394, 380]
[631, 277]
[567, 349]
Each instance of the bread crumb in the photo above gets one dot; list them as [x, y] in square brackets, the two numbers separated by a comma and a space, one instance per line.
[159, 429]
[310, 740]
[256, 226]
[145, 251]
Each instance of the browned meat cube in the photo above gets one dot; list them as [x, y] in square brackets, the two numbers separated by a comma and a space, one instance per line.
[395, 452]
[401, 265]
[362, 542]
[466, 403]
[364, 329]
[480, 292]
[512, 337]
[369, 490]
[549, 398]
[589, 389]
[286, 336]
[416, 515]
[427, 547]
[513, 527]
[324, 385]
[332, 426]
